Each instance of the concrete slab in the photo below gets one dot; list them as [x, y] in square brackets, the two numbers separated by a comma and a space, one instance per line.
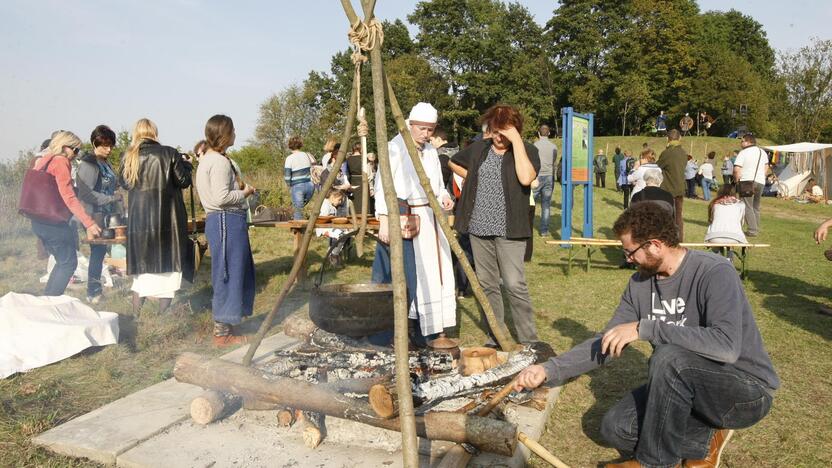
[152, 428]
[252, 439]
[101, 435]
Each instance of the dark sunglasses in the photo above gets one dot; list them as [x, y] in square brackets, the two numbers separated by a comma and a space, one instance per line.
[75, 150]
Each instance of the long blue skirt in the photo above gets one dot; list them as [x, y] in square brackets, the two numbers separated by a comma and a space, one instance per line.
[232, 266]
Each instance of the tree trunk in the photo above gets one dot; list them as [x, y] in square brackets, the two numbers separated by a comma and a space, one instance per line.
[488, 435]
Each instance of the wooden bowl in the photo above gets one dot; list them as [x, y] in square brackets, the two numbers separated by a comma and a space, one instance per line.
[477, 360]
[340, 220]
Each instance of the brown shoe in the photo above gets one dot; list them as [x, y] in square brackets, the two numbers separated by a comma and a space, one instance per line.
[229, 340]
[624, 464]
[718, 443]
[629, 464]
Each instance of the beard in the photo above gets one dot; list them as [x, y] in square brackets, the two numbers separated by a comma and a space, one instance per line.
[650, 266]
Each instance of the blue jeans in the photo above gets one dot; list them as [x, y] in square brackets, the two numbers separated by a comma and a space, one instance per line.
[687, 397]
[61, 241]
[301, 194]
[706, 188]
[544, 192]
[97, 253]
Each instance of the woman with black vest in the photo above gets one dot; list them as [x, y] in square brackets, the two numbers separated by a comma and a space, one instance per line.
[494, 204]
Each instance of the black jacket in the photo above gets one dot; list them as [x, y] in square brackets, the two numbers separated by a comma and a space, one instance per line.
[157, 223]
[516, 195]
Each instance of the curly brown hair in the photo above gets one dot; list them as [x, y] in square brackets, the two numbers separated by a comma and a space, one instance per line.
[648, 220]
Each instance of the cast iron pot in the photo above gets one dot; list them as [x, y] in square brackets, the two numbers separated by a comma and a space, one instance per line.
[351, 309]
[108, 234]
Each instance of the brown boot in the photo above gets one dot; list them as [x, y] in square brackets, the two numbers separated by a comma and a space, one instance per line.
[627, 464]
[624, 464]
[718, 443]
[229, 340]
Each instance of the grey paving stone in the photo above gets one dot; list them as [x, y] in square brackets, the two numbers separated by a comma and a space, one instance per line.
[106, 432]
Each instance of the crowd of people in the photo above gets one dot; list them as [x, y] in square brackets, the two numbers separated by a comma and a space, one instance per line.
[709, 372]
[160, 253]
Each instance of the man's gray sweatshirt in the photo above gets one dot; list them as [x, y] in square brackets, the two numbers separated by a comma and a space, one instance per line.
[701, 307]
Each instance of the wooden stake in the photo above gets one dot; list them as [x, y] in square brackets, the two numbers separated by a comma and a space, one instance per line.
[457, 456]
[541, 451]
[315, 205]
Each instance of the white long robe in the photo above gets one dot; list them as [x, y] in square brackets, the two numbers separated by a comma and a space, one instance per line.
[435, 296]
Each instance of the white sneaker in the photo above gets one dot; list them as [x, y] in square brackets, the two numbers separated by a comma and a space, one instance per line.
[94, 299]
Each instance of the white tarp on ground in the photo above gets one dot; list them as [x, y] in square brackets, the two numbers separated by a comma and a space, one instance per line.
[81, 271]
[39, 330]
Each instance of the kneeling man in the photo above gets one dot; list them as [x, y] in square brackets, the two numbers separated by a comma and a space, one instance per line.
[709, 371]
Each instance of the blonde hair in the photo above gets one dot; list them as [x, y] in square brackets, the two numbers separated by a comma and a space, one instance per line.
[144, 130]
[329, 146]
[61, 139]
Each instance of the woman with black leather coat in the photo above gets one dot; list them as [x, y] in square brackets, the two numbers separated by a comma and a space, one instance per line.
[158, 247]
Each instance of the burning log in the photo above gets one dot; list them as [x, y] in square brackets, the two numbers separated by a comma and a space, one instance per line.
[375, 362]
[486, 434]
[382, 395]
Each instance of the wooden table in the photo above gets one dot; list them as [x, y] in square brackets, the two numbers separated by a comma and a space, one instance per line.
[99, 241]
[593, 244]
[298, 229]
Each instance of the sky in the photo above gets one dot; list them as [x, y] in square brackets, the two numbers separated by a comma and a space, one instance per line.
[74, 64]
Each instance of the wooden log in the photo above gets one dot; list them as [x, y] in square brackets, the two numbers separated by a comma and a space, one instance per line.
[285, 417]
[312, 425]
[488, 435]
[210, 406]
[454, 385]
[383, 402]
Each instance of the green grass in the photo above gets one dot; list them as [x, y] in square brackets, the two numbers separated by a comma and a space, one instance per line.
[787, 282]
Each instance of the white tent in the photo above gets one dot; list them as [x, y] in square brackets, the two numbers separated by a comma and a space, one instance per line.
[805, 160]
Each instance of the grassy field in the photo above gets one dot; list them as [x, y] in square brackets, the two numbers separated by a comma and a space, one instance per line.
[787, 283]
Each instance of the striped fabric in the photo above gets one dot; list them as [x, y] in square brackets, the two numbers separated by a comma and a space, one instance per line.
[296, 170]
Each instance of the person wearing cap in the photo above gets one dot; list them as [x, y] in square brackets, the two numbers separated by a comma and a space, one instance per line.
[427, 257]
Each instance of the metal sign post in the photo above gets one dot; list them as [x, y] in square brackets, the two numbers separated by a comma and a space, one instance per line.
[577, 168]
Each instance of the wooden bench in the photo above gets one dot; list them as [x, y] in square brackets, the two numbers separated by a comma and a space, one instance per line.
[742, 251]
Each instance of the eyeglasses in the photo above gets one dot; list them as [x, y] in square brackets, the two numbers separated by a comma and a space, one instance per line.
[75, 150]
[628, 254]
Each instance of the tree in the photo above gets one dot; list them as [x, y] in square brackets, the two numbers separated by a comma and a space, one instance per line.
[293, 111]
[806, 77]
[486, 50]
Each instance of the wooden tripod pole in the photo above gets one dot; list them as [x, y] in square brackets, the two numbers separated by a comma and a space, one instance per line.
[316, 203]
[410, 453]
[500, 332]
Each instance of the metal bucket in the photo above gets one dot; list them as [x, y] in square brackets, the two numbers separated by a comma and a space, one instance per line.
[352, 309]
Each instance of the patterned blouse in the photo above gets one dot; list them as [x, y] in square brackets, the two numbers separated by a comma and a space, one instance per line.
[488, 217]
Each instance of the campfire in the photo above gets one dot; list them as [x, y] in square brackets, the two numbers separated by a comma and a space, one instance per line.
[345, 377]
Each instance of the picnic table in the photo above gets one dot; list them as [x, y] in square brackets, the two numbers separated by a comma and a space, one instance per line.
[594, 244]
[298, 228]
